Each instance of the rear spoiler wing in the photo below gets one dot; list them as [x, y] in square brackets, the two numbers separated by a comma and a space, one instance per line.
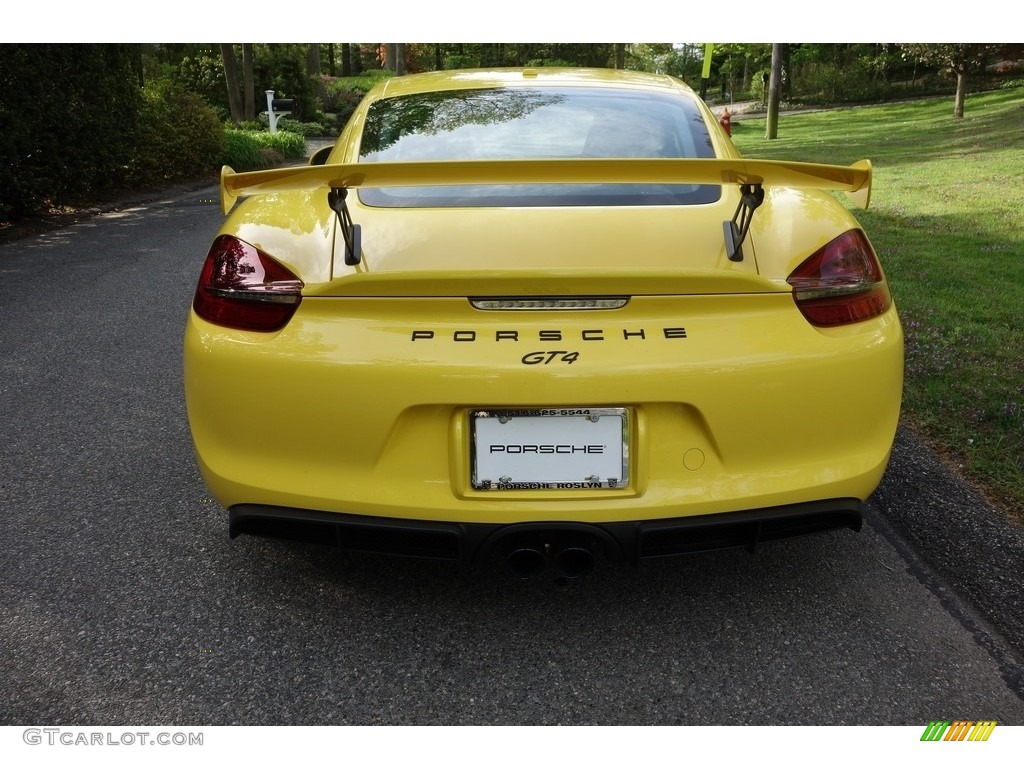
[854, 179]
[750, 175]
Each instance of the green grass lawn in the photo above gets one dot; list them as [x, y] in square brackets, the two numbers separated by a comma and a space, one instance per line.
[947, 220]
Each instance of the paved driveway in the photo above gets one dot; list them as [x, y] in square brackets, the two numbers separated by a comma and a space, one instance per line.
[122, 600]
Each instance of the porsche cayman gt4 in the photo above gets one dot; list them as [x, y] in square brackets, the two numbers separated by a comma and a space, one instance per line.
[547, 316]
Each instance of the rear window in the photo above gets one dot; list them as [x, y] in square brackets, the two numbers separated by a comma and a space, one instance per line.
[535, 123]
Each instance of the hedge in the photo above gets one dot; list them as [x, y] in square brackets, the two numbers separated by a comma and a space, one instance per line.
[69, 115]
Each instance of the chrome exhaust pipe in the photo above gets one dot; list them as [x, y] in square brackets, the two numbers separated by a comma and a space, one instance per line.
[525, 562]
[573, 562]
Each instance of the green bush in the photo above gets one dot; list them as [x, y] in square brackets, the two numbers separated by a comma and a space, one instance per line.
[362, 82]
[291, 145]
[203, 73]
[254, 150]
[832, 83]
[259, 124]
[242, 151]
[270, 157]
[322, 126]
[180, 136]
[68, 120]
[282, 68]
[540, 63]
[461, 61]
[344, 96]
[303, 129]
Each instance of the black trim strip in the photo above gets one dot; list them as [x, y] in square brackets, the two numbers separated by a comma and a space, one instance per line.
[475, 542]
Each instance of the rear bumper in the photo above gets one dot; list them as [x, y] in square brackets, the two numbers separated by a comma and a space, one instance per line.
[630, 541]
[343, 412]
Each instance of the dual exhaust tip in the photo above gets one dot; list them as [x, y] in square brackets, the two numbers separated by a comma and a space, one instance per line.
[569, 562]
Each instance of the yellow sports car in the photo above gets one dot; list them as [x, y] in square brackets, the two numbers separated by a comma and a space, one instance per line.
[547, 316]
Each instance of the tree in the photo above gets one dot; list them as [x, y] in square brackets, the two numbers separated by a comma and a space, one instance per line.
[394, 57]
[963, 58]
[399, 58]
[774, 91]
[249, 82]
[620, 55]
[330, 60]
[227, 53]
[313, 70]
[313, 59]
[346, 59]
[199, 69]
[735, 63]
[283, 68]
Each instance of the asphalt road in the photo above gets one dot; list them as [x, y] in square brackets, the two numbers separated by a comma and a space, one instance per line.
[122, 600]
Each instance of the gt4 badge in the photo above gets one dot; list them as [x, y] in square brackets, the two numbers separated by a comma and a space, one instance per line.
[545, 358]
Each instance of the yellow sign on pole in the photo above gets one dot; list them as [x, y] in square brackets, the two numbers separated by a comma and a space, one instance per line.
[708, 49]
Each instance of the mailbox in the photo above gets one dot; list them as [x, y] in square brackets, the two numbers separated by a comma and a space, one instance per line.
[277, 108]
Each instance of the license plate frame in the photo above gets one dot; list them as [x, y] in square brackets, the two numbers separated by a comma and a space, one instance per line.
[550, 449]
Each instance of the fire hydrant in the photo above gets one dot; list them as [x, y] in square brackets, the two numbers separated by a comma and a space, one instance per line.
[726, 122]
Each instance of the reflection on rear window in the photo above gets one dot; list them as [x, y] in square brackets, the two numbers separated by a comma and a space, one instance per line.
[535, 123]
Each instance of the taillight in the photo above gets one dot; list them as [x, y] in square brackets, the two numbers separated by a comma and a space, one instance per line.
[841, 283]
[242, 287]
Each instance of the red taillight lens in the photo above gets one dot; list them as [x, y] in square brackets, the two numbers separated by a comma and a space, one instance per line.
[242, 287]
[841, 283]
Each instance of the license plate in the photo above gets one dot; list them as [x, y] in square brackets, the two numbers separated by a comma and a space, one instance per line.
[550, 449]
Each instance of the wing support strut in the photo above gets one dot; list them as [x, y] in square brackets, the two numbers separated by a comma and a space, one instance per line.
[350, 233]
[751, 196]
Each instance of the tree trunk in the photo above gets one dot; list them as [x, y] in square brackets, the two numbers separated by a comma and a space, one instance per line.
[313, 70]
[620, 55]
[357, 58]
[399, 58]
[313, 59]
[961, 93]
[438, 58]
[785, 71]
[248, 82]
[346, 59]
[774, 92]
[227, 54]
[330, 60]
[139, 69]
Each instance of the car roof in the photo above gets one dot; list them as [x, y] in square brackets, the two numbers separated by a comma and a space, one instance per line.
[429, 82]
